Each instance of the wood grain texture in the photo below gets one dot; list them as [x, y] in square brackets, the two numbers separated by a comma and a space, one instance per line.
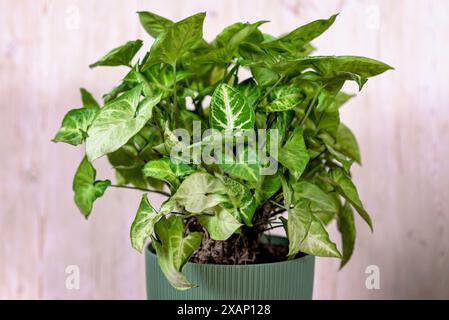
[401, 120]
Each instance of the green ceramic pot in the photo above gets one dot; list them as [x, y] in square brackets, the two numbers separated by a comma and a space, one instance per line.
[287, 280]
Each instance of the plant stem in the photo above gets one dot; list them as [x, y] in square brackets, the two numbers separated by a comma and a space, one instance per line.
[141, 189]
[175, 97]
[274, 227]
[310, 107]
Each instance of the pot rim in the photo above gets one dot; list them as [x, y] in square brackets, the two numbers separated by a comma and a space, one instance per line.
[212, 265]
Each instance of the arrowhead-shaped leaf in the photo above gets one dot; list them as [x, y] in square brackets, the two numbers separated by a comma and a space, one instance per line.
[176, 40]
[142, 227]
[75, 125]
[86, 188]
[118, 121]
[307, 234]
[294, 155]
[154, 24]
[120, 56]
[220, 223]
[298, 38]
[348, 190]
[174, 250]
[200, 191]
[283, 99]
[229, 110]
[88, 100]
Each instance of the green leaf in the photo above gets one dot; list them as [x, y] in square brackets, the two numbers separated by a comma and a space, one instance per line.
[142, 227]
[200, 191]
[333, 66]
[154, 24]
[322, 204]
[298, 38]
[75, 125]
[347, 189]
[174, 250]
[284, 98]
[250, 91]
[245, 166]
[346, 226]
[220, 225]
[88, 100]
[307, 234]
[241, 198]
[229, 110]
[266, 188]
[347, 143]
[120, 56]
[294, 155]
[160, 169]
[86, 188]
[118, 121]
[176, 40]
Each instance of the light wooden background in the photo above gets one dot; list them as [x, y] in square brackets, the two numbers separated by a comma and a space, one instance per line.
[401, 120]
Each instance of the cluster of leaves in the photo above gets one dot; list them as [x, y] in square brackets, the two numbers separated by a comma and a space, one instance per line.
[169, 88]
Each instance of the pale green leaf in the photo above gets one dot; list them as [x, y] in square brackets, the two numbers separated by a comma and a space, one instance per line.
[142, 227]
[75, 125]
[120, 56]
[118, 121]
[220, 224]
[86, 188]
[319, 199]
[307, 234]
[199, 192]
[160, 169]
[174, 250]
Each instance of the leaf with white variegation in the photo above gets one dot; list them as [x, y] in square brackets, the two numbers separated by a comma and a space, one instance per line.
[220, 223]
[307, 234]
[229, 110]
[200, 191]
[118, 121]
[173, 250]
[75, 125]
[142, 227]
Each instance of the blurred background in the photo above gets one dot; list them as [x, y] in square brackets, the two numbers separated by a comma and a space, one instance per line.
[401, 120]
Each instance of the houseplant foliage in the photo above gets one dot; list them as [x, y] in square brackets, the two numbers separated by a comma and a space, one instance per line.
[217, 213]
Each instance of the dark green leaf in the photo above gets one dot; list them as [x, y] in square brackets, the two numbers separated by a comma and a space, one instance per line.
[88, 100]
[346, 226]
[348, 190]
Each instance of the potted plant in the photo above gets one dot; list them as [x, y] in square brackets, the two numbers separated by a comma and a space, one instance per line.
[242, 135]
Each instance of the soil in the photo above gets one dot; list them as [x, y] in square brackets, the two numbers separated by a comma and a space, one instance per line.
[247, 247]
